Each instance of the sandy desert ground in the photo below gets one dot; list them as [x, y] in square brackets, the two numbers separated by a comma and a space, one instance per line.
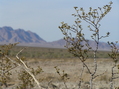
[73, 69]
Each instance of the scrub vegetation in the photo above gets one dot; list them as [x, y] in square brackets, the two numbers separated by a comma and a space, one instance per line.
[79, 66]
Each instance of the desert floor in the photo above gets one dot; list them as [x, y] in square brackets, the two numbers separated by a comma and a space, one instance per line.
[73, 68]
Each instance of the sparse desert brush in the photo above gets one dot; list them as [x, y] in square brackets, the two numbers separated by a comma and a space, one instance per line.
[5, 64]
[77, 45]
[25, 80]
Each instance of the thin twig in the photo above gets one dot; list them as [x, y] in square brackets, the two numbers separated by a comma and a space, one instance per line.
[99, 74]
[81, 77]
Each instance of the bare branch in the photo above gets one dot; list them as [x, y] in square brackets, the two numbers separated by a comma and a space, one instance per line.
[24, 66]
[27, 69]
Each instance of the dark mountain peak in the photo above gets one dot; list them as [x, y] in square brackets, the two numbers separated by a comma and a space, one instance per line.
[7, 28]
[19, 29]
[8, 34]
[28, 31]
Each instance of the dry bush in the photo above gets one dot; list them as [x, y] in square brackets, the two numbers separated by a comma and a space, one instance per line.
[87, 70]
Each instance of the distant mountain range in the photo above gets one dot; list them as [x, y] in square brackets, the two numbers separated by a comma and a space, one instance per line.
[28, 38]
[8, 34]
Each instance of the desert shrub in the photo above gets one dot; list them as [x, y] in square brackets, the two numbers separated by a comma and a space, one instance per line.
[26, 81]
[5, 64]
[77, 45]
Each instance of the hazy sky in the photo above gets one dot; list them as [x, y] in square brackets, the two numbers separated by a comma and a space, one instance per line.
[44, 16]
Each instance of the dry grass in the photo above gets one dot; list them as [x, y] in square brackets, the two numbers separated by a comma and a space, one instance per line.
[72, 67]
